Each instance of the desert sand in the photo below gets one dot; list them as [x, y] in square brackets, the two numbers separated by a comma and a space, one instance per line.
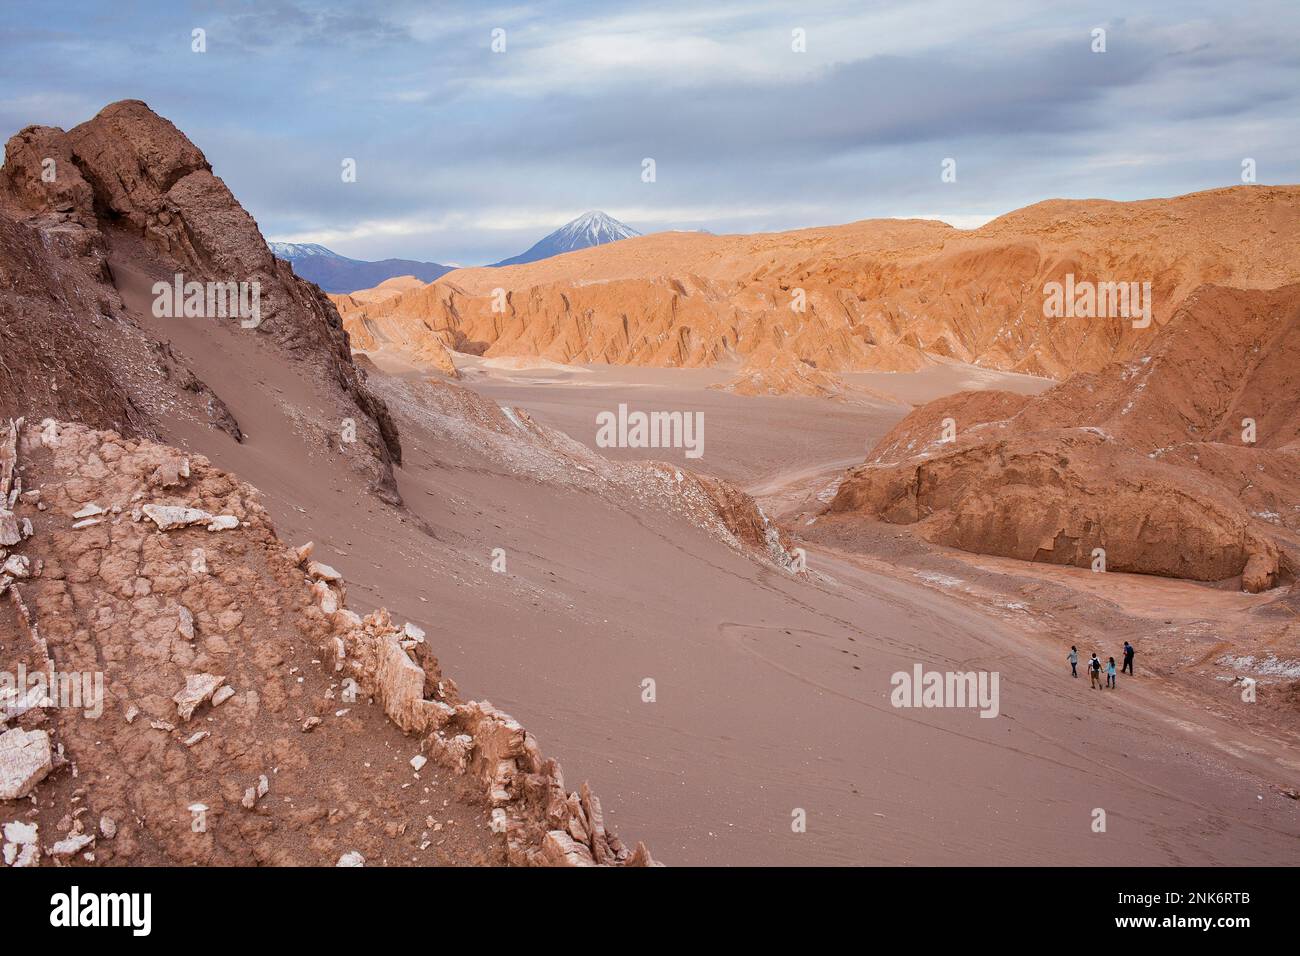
[751, 721]
[772, 692]
[773, 705]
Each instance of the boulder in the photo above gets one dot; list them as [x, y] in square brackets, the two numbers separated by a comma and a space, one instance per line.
[10, 529]
[560, 849]
[1260, 572]
[400, 687]
[25, 760]
[167, 517]
[198, 688]
[323, 572]
[20, 844]
[72, 844]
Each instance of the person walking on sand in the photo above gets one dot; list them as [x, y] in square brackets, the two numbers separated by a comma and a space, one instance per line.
[1073, 658]
[1094, 672]
[1110, 673]
[1128, 658]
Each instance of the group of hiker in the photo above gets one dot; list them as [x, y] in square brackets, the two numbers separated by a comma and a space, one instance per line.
[1095, 666]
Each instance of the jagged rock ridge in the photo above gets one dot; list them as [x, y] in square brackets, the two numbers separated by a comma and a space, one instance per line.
[127, 189]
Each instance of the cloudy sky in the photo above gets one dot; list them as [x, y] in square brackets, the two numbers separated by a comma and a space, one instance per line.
[465, 155]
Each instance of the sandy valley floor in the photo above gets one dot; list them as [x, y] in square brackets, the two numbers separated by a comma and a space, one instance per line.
[771, 691]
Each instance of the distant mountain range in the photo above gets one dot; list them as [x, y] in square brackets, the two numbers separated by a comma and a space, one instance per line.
[589, 229]
[339, 274]
[336, 273]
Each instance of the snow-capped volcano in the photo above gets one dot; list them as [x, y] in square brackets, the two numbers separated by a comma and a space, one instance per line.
[589, 229]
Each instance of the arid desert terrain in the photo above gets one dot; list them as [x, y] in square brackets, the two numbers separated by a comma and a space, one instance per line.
[513, 642]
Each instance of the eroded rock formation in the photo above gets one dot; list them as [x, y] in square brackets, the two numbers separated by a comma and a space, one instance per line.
[127, 186]
[1182, 461]
[877, 294]
[415, 342]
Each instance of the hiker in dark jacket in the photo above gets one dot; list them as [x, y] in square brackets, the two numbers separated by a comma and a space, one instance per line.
[1128, 658]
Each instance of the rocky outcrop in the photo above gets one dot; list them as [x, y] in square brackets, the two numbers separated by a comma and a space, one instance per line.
[65, 349]
[1182, 462]
[43, 179]
[127, 183]
[414, 342]
[243, 714]
[1056, 498]
[526, 792]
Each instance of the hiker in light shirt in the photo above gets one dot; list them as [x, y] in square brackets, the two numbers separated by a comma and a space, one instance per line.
[1094, 672]
[1073, 658]
[1110, 674]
